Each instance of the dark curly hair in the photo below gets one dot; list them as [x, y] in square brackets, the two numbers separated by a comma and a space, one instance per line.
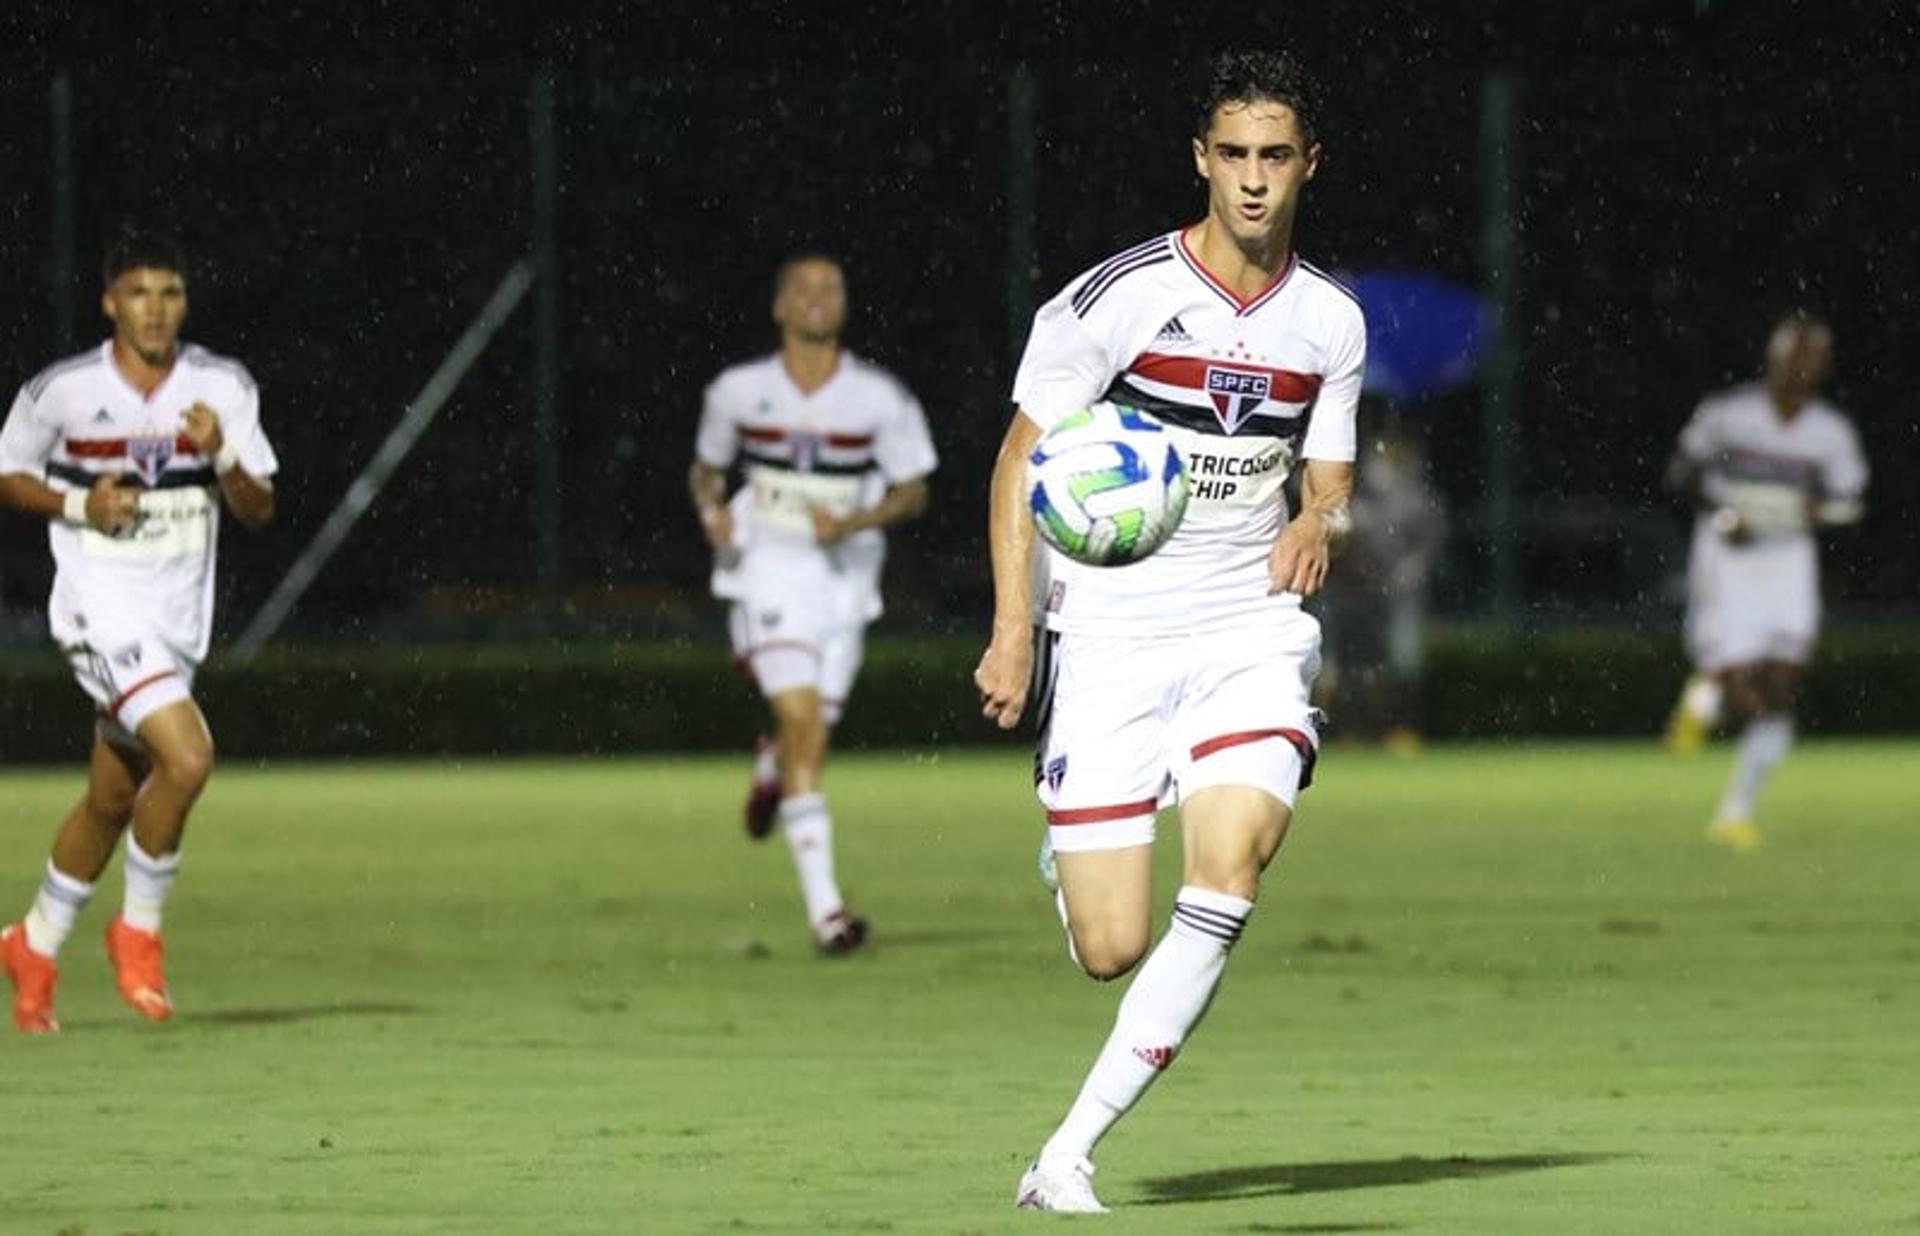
[135, 247]
[1244, 76]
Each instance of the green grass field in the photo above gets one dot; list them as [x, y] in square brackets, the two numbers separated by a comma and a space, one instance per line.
[1488, 990]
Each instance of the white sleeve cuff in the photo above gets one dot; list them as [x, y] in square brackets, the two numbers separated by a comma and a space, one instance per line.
[73, 508]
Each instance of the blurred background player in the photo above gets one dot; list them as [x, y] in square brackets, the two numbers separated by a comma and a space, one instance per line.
[1186, 674]
[832, 449]
[129, 451]
[1375, 605]
[1766, 464]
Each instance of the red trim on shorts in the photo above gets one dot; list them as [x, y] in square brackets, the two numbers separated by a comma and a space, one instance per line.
[1300, 741]
[113, 709]
[1100, 815]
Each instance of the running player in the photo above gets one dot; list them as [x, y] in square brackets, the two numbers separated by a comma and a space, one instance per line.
[1767, 464]
[129, 450]
[833, 449]
[1185, 676]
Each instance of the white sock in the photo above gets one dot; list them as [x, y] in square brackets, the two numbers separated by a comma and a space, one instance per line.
[809, 831]
[1166, 1001]
[1762, 746]
[148, 879]
[766, 761]
[1701, 699]
[54, 910]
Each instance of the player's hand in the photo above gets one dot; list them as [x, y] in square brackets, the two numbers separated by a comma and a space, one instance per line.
[717, 522]
[1298, 562]
[201, 424]
[1004, 671]
[828, 528]
[1732, 526]
[113, 507]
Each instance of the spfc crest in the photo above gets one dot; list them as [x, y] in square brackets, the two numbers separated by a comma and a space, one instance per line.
[1236, 394]
[149, 457]
[1056, 772]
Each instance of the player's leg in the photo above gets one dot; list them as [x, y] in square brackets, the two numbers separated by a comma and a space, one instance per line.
[81, 849]
[1695, 714]
[1756, 751]
[179, 751]
[763, 787]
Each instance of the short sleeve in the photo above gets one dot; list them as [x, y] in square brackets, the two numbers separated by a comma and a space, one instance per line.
[717, 440]
[243, 430]
[27, 439]
[1698, 444]
[903, 448]
[1066, 365]
[1332, 432]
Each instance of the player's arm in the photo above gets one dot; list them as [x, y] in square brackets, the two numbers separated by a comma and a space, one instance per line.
[25, 443]
[903, 501]
[1298, 562]
[249, 497]
[1006, 667]
[707, 486]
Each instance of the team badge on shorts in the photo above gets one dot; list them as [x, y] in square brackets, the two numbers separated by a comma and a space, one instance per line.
[1236, 394]
[149, 457]
[1056, 772]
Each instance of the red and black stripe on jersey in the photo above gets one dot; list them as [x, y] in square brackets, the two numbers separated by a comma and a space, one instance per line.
[829, 454]
[1283, 410]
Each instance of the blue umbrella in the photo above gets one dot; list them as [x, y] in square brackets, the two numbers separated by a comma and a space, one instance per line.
[1425, 334]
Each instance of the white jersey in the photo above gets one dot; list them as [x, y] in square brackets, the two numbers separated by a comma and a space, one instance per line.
[1761, 599]
[79, 420]
[1245, 386]
[839, 448]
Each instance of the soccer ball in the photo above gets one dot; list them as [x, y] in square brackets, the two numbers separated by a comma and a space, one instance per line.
[1106, 485]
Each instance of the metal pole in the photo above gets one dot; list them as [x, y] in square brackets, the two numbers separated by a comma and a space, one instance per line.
[1500, 263]
[546, 332]
[1022, 261]
[60, 264]
[360, 495]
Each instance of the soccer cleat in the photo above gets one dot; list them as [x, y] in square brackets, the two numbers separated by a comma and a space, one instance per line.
[1734, 834]
[763, 798]
[136, 963]
[33, 978]
[1686, 731]
[841, 934]
[1065, 1185]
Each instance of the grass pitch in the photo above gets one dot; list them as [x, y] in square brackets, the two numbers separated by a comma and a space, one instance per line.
[1488, 990]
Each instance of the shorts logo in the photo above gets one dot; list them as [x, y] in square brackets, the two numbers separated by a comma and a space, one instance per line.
[1056, 595]
[127, 658]
[1236, 394]
[1056, 772]
[770, 619]
[149, 456]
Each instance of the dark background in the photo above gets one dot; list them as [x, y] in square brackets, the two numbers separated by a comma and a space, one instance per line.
[355, 178]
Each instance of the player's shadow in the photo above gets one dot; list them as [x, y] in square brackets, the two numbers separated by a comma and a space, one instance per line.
[299, 1013]
[1282, 1179]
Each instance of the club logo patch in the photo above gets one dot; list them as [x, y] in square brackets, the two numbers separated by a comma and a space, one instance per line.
[1236, 394]
[1056, 772]
[149, 457]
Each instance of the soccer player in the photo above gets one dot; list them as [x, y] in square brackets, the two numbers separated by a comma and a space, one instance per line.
[833, 449]
[1767, 464]
[129, 450]
[1184, 677]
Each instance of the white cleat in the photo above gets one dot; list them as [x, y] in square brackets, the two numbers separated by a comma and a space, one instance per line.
[1049, 869]
[1063, 1185]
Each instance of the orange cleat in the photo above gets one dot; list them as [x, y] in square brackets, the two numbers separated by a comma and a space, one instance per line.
[33, 979]
[136, 962]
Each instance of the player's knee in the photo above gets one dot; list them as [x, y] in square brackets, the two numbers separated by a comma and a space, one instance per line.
[1106, 954]
[188, 765]
[107, 807]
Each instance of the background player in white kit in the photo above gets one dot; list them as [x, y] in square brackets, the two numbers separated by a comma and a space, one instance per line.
[1767, 464]
[833, 448]
[129, 450]
[1186, 674]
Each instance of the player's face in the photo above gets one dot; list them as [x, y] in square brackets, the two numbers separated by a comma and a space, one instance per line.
[811, 301]
[147, 307]
[1797, 358]
[1254, 159]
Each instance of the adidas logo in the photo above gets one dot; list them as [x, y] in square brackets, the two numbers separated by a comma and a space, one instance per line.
[1173, 332]
[1158, 1057]
[103, 417]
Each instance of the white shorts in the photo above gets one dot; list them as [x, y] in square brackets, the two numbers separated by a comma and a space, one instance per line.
[784, 647]
[1746, 605]
[130, 680]
[1129, 725]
